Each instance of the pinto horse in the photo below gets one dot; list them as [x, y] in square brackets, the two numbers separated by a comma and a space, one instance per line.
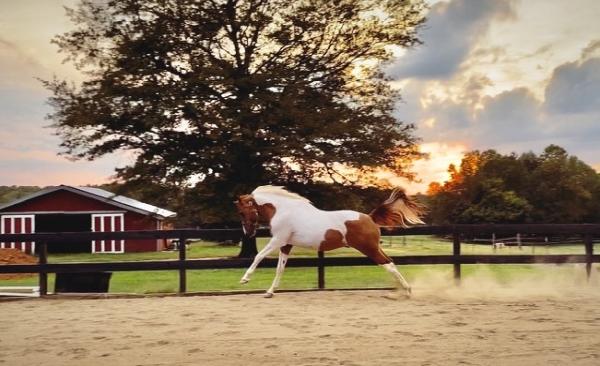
[294, 221]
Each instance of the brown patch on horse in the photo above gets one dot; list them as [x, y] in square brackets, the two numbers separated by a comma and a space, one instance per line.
[266, 212]
[363, 235]
[333, 239]
[286, 249]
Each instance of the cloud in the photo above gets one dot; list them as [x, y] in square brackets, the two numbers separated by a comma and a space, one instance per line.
[574, 87]
[591, 50]
[29, 150]
[450, 34]
[18, 69]
[511, 116]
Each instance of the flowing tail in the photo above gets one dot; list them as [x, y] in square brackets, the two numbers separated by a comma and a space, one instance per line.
[398, 209]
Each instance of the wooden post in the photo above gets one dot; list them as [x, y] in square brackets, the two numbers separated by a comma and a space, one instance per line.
[589, 252]
[456, 254]
[182, 271]
[43, 275]
[321, 270]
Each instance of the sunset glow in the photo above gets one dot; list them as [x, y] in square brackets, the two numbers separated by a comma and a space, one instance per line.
[434, 168]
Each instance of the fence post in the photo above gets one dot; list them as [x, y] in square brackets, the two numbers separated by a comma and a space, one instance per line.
[456, 255]
[182, 270]
[43, 275]
[589, 252]
[321, 270]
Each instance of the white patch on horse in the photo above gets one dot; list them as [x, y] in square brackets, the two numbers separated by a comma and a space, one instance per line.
[306, 224]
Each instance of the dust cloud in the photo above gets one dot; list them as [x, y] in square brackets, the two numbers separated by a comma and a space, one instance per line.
[546, 282]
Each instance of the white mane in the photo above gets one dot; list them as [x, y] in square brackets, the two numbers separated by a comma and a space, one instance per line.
[278, 191]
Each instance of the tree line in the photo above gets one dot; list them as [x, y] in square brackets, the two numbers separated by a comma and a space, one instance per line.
[489, 187]
[12, 193]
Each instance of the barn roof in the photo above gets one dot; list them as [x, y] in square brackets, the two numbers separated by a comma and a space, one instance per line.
[127, 203]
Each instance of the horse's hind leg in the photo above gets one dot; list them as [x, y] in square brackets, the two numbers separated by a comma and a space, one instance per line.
[391, 267]
[284, 252]
[363, 235]
[379, 257]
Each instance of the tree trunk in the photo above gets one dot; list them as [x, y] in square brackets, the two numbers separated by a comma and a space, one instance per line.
[249, 249]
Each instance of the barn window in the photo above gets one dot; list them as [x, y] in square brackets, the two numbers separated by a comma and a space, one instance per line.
[18, 224]
[108, 223]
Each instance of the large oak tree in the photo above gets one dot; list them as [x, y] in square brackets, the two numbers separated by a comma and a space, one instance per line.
[236, 93]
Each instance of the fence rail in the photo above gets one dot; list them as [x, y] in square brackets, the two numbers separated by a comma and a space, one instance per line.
[587, 231]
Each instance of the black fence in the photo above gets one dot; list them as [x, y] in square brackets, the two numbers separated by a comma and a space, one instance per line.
[456, 232]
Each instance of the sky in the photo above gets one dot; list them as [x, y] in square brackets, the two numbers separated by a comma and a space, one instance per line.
[509, 75]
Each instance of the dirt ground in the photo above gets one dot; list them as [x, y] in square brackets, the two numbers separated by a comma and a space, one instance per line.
[479, 323]
[15, 256]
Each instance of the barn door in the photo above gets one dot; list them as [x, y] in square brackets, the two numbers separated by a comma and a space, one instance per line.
[110, 223]
[18, 224]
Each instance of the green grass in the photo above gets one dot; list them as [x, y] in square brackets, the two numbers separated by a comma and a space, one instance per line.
[411, 245]
[303, 278]
[306, 278]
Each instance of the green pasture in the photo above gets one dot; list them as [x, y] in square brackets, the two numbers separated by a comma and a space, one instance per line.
[305, 278]
[394, 246]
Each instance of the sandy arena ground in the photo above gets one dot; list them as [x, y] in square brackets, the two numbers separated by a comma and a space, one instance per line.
[477, 324]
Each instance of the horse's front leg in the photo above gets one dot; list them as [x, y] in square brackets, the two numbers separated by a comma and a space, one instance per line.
[274, 243]
[284, 253]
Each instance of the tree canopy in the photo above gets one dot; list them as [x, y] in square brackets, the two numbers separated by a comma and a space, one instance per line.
[13, 193]
[489, 187]
[231, 94]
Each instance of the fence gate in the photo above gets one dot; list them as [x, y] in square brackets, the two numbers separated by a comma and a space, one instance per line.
[18, 224]
[108, 222]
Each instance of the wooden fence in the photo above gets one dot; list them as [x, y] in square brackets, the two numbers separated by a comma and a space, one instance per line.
[587, 231]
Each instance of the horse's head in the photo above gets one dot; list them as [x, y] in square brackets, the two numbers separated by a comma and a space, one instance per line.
[248, 210]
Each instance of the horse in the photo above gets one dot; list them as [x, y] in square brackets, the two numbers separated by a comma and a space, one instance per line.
[294, 221]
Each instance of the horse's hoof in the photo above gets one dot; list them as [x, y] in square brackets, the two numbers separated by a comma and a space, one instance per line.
[397, 294]
[392, 295]
[268, 295]
[244, 281]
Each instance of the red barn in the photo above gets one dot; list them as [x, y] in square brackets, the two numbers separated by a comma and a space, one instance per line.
[79, 209]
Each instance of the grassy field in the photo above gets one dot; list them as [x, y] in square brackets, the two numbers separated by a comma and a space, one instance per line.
[409, 245]
[301, 278]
